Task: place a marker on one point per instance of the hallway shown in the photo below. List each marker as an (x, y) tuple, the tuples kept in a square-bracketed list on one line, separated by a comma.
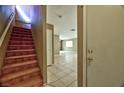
[(63, 72)]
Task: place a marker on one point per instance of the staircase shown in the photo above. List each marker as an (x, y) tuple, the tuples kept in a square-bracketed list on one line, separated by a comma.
[(20, 67)]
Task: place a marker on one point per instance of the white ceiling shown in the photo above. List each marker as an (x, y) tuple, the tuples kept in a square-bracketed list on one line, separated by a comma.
[(64, 24)]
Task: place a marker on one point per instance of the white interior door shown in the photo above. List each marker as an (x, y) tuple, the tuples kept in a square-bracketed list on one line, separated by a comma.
[(105, 41), (49, 47)]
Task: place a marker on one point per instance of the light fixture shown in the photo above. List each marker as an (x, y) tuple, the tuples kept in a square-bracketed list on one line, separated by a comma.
[(59, 16), (23, 14), (72, 29)]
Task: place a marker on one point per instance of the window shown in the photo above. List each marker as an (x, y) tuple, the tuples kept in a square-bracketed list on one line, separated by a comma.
[(69, 44)]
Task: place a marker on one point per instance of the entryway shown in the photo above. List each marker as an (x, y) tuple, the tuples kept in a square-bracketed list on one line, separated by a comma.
[(62, 67)]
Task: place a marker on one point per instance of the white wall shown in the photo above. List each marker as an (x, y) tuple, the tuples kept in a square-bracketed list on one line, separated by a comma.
[(105, 31), (74, 48), (27, 10), (5, 12)]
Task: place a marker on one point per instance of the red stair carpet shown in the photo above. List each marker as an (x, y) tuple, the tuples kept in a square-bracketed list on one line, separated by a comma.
[(20, 67)]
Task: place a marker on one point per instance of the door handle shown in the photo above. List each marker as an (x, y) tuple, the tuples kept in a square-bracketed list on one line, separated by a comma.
[(89, 60)]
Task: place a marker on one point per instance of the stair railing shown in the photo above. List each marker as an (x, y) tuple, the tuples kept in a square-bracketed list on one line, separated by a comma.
[(11, 18)]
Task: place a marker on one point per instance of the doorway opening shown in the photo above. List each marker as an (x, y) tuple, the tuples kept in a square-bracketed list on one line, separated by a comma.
[(61, 35)]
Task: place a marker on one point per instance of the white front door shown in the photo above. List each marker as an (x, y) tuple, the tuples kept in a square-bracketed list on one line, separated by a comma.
[(105, 44), (49, 47)]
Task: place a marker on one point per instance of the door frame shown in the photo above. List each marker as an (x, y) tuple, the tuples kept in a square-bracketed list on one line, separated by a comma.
[(81, 44), (51, 27), (82, 48)]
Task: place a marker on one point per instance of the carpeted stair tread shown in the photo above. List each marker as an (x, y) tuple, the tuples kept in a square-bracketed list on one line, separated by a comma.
[(19, 41), (21, 28), (18, 33), (34, 81), (16, 47), (18, 74), (20, 50), (25, 32), (20, 38), (22, 34), (19, 45), (22, 56), (18, 64)]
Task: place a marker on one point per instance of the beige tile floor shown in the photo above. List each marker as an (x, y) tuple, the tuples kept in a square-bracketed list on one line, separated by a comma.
[(63, 73)]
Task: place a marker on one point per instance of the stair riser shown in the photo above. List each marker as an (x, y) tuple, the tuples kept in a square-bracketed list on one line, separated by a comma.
[(21, 39), (22, 32), (20, 47), (17, 33), (20, 43), (25, 59), (21, 29), (19, 68), (20, 36), (19, 53), (24, 36)]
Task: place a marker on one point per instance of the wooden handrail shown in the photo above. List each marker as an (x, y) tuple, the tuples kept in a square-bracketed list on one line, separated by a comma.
[(11, 17)]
